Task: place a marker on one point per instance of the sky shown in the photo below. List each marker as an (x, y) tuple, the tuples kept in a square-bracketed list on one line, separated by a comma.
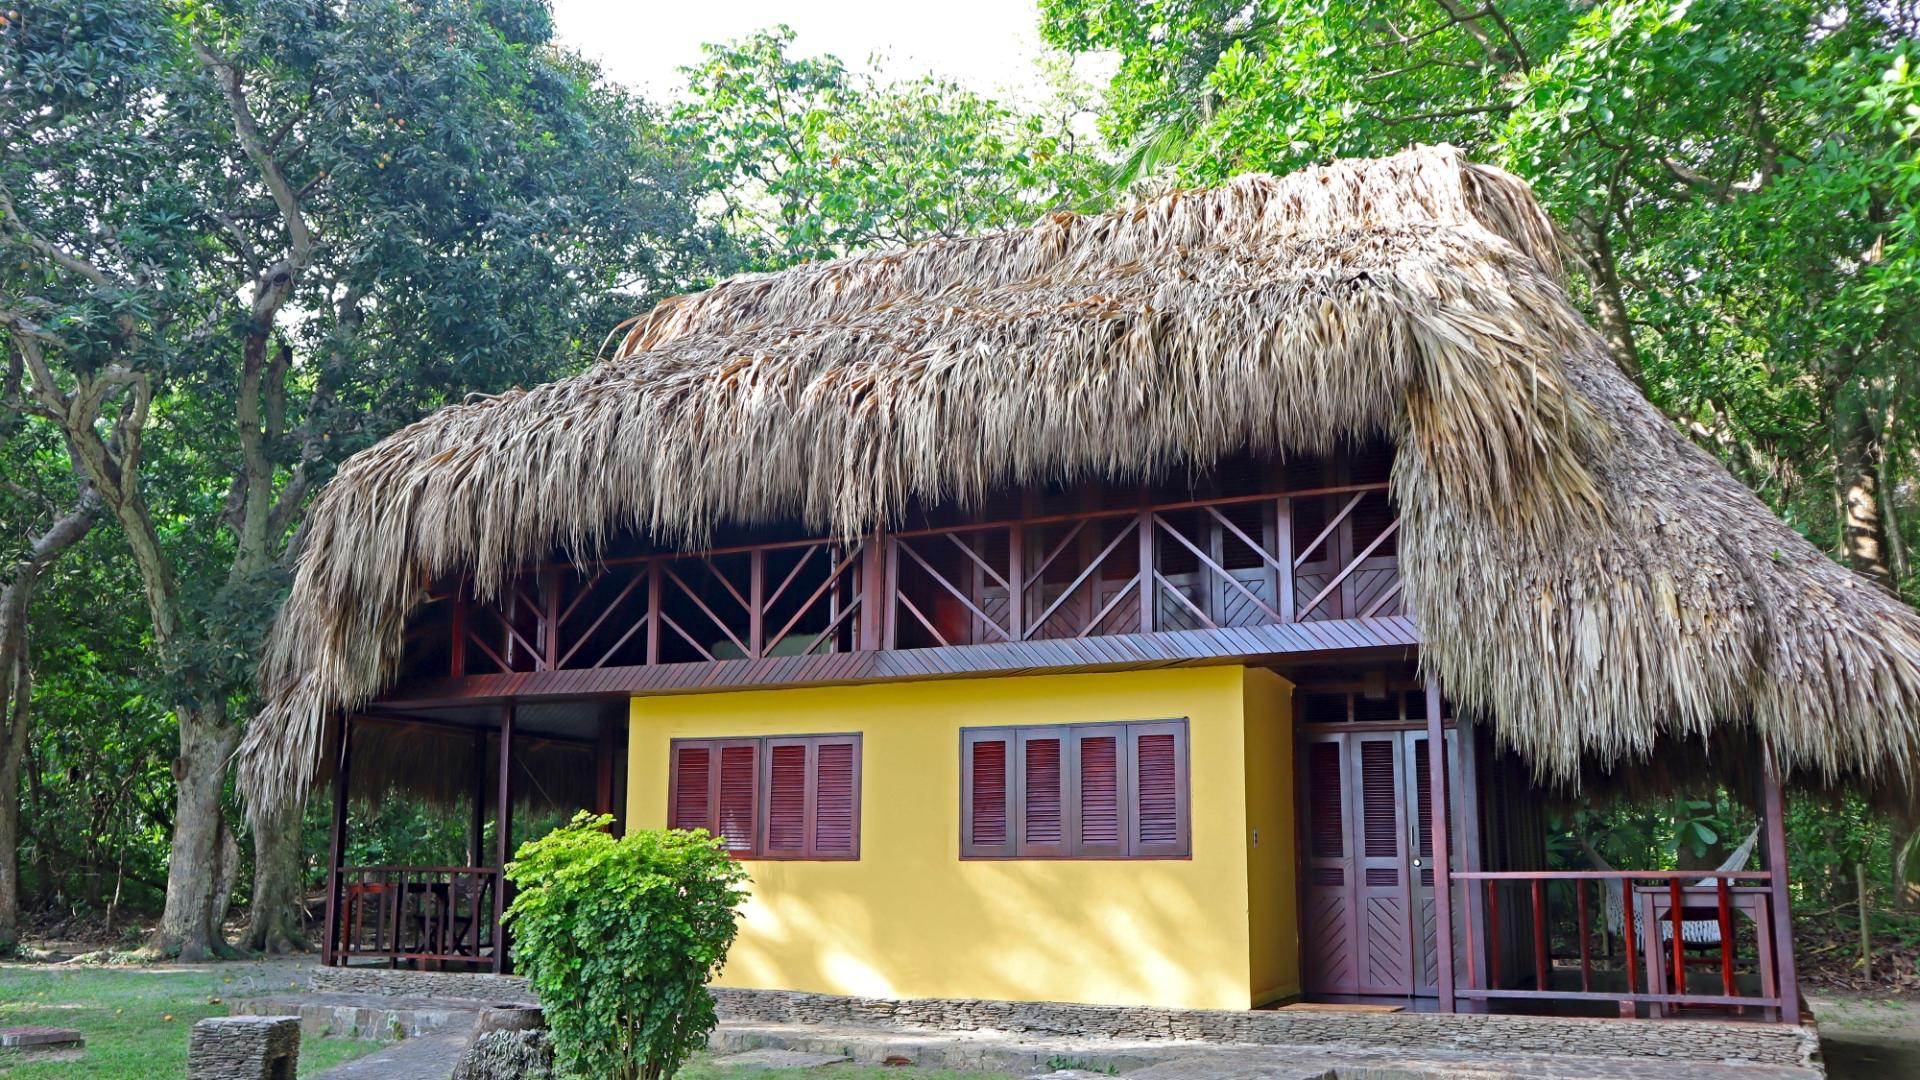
[(987, 45)]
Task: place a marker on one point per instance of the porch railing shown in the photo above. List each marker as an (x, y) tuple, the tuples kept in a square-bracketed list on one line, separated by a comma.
[(1327, 553), (1686, 939), (418, 915)]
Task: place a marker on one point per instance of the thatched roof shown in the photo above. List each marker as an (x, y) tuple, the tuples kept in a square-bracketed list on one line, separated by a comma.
[(1579, 571)]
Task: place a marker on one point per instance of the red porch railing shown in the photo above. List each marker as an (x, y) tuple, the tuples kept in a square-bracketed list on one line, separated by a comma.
[(431, 915), (1328, 553), (1684, 939)]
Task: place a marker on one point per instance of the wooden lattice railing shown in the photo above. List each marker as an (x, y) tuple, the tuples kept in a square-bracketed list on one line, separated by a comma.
[(440, 915), (1686, 939), (1328, 553)]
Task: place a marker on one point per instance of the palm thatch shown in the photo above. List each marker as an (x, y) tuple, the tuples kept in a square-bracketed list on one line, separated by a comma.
[(436, 766), (1580, 572)]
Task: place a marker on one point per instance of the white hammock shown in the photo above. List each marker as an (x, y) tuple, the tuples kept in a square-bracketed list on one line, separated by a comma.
[(1692, 931)]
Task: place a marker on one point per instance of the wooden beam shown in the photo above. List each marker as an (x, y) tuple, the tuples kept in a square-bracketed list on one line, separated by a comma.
[(477, 813), (1442, 859), (1381, 640), (603, 762), (503, 836), (1775, 812), (329, 941)]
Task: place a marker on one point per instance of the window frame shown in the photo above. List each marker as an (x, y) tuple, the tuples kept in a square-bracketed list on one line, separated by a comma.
[(1073, 844), (757, 849)]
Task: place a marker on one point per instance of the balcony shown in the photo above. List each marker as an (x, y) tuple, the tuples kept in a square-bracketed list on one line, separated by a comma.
[(1232, 575)]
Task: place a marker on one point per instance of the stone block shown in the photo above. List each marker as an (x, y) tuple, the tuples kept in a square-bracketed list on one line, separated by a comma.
[(34, 1036), (507, 1055), (244, 1048)]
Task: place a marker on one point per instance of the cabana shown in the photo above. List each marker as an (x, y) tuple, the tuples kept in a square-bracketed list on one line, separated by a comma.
[(1084, 612)]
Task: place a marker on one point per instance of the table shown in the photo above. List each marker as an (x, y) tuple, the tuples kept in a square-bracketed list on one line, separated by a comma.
[(1701, 903)]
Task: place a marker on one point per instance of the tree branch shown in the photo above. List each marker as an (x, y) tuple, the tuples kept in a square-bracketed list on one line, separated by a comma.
[(59, 256), (247, 129)]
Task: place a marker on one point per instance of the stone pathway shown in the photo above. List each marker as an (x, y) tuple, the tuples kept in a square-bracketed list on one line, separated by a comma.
[(1167, 1059), (431, 1057)]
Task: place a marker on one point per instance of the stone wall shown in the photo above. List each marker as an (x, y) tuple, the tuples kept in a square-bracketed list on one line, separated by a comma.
[(1686, 1040), (1683, 1040), (393, 982)]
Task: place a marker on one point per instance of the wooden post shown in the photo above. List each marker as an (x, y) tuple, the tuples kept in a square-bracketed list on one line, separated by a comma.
[(1017, 581), (550, 618), (1442, 858), (503, 836), (457, 648), (329, 941), (1284, 557), (757, 603), (1148, 591), (477, 813), (603, 752), (873, 593), (653, 612), (1775, 810), (1866, 921)]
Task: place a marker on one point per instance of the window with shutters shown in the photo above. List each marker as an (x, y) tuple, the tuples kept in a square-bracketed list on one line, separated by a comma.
[(1077, 791), (776, 797)]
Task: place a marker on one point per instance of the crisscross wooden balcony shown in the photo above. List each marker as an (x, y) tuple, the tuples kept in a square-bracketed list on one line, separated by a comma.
[(1237, 575)]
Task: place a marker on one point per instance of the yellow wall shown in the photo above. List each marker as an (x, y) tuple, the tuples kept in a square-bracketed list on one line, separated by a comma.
[(1272, 897), (911, 919)]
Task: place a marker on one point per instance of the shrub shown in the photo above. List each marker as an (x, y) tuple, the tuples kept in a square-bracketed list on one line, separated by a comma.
[(619, 938)]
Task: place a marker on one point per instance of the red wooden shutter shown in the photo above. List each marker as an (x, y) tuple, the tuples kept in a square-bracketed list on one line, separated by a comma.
[(1159, 789), (1327, 810), (786, 797), (986, 793), (690, 801), (1041, 792), (739, 781), (836, 817), (1098, 762)]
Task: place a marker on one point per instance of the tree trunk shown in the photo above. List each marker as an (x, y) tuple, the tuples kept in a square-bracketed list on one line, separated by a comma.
[(1863, 538), (1609, 304), (12, 751), (16, 691), (274, 923), (188, 924)]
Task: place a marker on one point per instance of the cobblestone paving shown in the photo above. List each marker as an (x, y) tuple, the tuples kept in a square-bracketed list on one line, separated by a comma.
[(429, 1058), (1163, 1059)]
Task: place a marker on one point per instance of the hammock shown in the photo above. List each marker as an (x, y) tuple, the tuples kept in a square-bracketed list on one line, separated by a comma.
[(1692, 931)]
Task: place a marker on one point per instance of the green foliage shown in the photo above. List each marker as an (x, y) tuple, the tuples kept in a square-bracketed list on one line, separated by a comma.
[(619, 937), (1739, 178), (806, 159)]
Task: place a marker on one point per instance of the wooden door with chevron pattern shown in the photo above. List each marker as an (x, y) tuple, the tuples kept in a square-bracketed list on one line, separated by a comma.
[(1367, 914)]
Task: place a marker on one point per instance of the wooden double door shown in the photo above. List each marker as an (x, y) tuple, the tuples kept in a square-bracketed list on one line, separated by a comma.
[(1368, 923)]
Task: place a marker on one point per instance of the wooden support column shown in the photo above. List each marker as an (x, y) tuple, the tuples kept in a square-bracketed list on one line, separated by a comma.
[(549, 636), (1149, 589), (477, 813), (873, 593), (1442, 859), (330, 944), (756, 604), (503, 835), (605, 749), (457, 647), (1774, 811)]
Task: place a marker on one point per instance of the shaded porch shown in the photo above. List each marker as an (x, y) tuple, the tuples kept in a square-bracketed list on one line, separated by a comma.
[(513, 768), (1458, 896)]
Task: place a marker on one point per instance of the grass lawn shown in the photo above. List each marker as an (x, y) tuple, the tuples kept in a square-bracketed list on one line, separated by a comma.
[(136, 1021)]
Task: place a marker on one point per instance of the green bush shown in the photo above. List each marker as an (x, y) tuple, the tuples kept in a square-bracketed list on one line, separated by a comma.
[(619, 938)]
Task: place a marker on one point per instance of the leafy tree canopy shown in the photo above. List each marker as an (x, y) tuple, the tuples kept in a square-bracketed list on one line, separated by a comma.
[(808, 159)]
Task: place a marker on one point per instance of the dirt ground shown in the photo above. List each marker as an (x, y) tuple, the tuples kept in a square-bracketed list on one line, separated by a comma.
[(1866, 1037)]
